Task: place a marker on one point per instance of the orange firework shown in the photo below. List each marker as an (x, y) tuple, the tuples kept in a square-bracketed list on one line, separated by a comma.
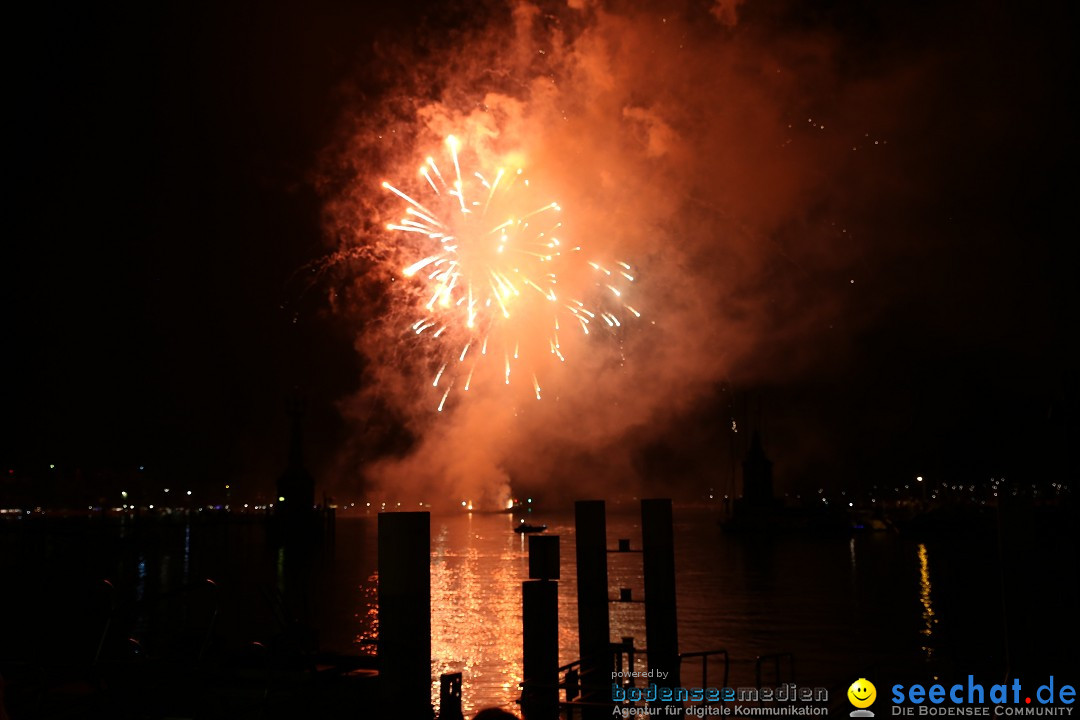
[(491, 260)]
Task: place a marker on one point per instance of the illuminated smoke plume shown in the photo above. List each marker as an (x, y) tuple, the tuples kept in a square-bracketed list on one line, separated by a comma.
[(678, 143)]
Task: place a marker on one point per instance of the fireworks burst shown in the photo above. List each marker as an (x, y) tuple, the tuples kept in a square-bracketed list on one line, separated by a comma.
[(492, 265)]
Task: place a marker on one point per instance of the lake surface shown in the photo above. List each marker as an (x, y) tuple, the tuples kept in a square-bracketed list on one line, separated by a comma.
[(844, 607)]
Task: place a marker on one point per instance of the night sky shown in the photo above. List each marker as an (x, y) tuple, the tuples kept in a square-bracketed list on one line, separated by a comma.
[(165, 203)]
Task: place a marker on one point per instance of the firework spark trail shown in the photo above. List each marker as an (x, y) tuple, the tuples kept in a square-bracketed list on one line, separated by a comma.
[(489, 263), (691, 168)]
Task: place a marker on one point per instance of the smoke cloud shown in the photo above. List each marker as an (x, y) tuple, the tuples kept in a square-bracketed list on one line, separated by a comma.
[(718, 155)]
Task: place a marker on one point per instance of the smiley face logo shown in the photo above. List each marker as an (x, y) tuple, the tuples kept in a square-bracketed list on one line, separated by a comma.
[(862, 693)]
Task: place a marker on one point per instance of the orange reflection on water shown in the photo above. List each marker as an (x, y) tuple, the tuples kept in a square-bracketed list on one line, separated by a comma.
[(477, 565), (368, 637), (928, 615)]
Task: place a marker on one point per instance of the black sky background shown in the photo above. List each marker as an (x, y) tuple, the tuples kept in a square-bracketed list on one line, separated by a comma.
[(157, 310)]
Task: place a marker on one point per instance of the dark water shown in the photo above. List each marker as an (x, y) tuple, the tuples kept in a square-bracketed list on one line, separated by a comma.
[(874, 604)]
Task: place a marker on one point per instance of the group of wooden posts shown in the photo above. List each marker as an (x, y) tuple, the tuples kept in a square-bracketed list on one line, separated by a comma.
[(404, 644)]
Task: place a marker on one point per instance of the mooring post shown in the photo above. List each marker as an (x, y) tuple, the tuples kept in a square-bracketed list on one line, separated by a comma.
[(450, 697), (540, 630), (590, 527), (658, 560), (405, 614)]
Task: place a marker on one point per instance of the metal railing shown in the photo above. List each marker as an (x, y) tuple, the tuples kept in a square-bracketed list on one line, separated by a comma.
[(705, 655)]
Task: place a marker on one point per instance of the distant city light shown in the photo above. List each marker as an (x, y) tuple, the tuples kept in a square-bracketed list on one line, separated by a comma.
[(188, 492), (51, 466), (281, 498), (123, 493)]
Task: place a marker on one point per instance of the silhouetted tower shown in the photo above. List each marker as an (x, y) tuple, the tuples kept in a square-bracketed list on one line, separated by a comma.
[(757, 475), (295, 487)]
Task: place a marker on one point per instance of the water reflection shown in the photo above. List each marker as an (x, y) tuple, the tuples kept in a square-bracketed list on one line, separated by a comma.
[(825, 600), (476, 571), (368, 637), (751, 595), (187, 553), (928, 616), (140, 593)]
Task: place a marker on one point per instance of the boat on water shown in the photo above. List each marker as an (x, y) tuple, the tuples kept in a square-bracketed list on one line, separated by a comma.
[(524, 527)]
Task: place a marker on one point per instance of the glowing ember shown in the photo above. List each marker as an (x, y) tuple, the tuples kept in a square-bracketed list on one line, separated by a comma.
[(489, 260)]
